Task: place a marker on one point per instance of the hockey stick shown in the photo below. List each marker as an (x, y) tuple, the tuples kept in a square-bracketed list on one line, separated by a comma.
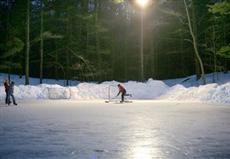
[(107, 101)]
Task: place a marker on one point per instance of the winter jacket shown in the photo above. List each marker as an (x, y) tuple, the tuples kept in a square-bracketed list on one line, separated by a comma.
[(121, 89), (7, 87), (11, 89)]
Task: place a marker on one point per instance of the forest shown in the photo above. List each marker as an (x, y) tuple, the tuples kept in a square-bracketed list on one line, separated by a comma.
[(100, 40)]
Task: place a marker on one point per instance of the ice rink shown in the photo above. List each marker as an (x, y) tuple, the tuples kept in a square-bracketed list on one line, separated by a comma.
[(65, 129)]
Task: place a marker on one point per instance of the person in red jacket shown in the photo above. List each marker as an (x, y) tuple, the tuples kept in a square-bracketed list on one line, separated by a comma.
[(122, 90), (7, 88)]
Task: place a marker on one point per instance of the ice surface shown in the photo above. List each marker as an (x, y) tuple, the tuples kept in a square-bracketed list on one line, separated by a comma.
[(68, 129)]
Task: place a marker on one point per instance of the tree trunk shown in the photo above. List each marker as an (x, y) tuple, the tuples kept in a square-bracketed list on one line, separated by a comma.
[(142, 78), (9, 75), (41, 44), (67, 67), (98, 40), (56, 61), (27, 59), (7, 32), (214, 53), (195, 43), (194, 28)]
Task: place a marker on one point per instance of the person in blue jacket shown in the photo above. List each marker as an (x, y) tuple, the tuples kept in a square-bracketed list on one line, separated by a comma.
[(11, 94)]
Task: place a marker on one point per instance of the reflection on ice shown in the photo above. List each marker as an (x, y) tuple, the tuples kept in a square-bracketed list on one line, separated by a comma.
[(145, 142), (142, 152), (145, 150)]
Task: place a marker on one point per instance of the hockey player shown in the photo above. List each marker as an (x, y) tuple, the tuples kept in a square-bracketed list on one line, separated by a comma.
[(122, 90)]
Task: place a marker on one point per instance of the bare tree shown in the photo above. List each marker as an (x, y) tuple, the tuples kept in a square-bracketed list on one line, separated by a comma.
[(194, 41)]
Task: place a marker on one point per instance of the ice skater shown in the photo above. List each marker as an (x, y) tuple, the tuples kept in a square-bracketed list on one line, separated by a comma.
[(7, 87), (122, 90), (11, 94)]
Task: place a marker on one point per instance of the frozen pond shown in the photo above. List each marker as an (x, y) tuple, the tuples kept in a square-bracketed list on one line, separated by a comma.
[(96, 130)]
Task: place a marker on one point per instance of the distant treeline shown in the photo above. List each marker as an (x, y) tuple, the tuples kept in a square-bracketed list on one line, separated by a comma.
[(98, 40)]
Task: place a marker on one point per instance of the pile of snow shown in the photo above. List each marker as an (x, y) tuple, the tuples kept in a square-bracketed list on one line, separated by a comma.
[(88, 91), (149, 90), (43, 91), (217, 77), (210, 93), (170, 90)]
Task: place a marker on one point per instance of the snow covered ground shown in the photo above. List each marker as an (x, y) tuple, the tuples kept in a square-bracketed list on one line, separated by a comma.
[(183, 89), (71, 129), (35, 81)]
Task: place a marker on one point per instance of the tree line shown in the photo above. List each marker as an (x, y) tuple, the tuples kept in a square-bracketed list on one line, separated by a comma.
[(98, 40)]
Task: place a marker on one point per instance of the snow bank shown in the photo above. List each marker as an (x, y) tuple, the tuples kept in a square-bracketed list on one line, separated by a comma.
[(152, 89), (217, 77), (43, 91), (89, 91), (210, 93), (149, 90)]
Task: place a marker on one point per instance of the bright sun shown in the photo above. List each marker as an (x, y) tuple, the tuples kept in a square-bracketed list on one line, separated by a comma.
[(142, 3)]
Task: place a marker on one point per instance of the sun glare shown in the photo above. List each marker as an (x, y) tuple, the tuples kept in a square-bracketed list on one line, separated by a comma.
[(142, 3)]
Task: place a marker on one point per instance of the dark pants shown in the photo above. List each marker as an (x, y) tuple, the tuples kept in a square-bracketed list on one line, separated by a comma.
[(8, 99), (122, 96)]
